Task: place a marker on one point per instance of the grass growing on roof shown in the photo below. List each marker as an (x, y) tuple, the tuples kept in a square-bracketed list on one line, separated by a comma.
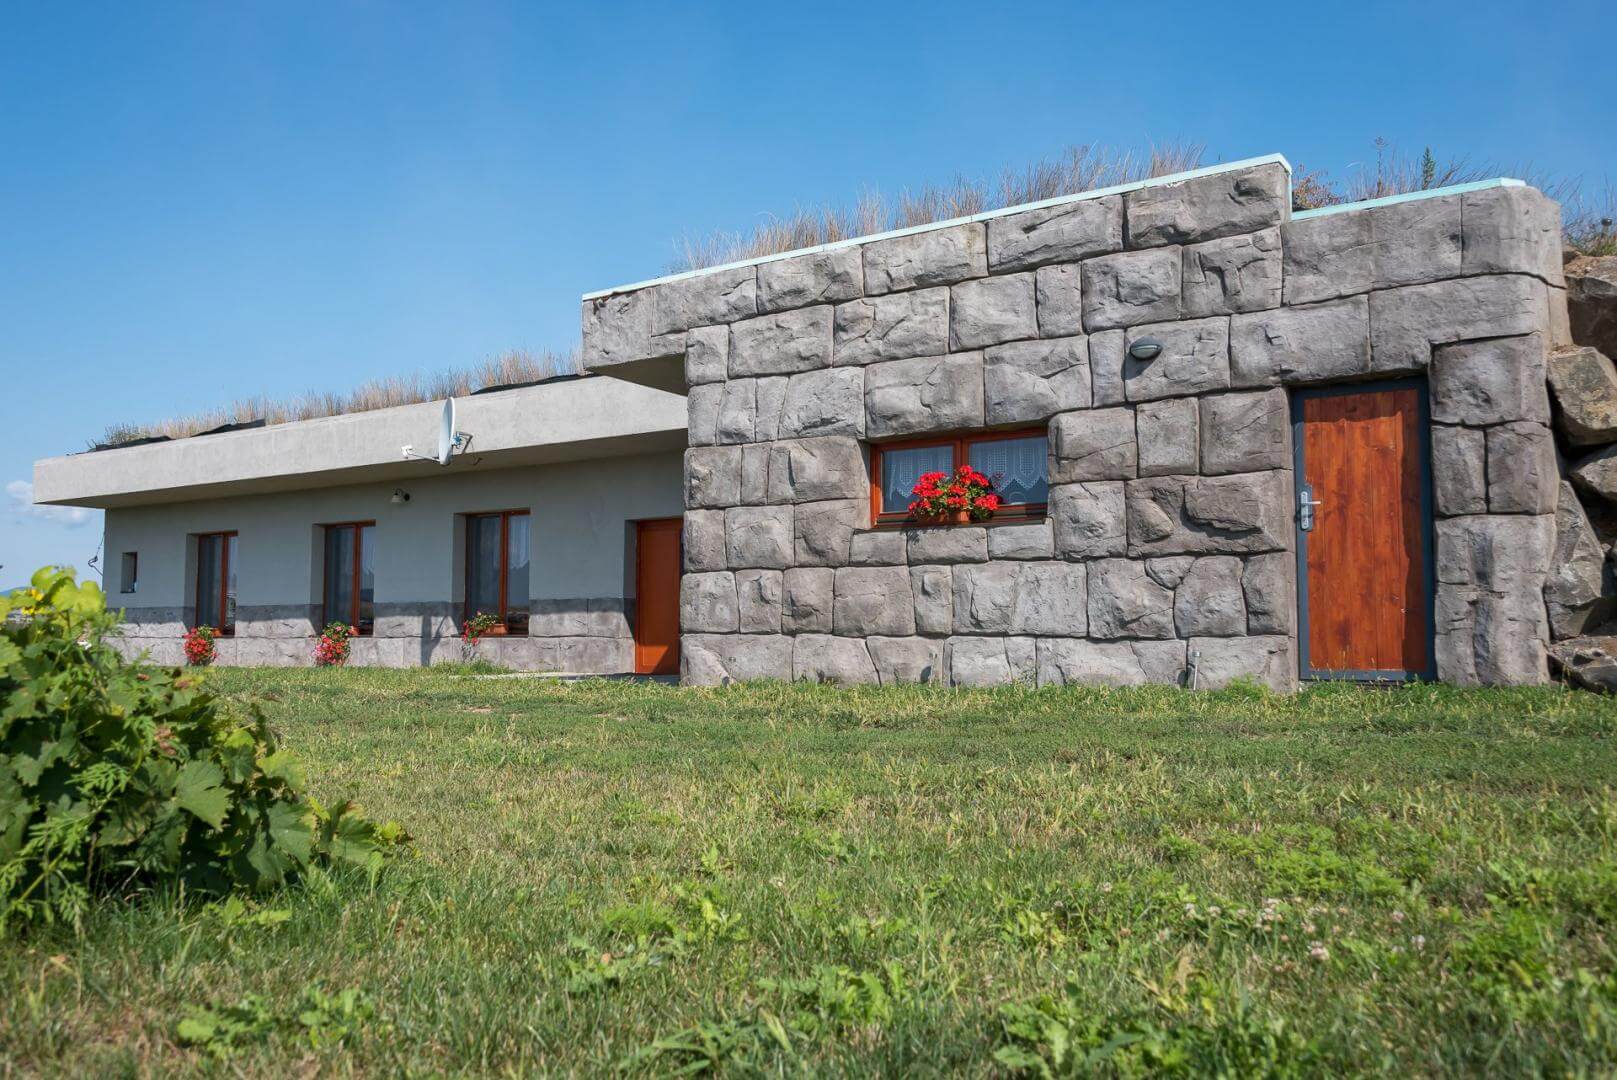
[(796, 878)]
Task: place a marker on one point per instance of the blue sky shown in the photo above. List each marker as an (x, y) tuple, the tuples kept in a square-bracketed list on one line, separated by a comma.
[(204, 202)]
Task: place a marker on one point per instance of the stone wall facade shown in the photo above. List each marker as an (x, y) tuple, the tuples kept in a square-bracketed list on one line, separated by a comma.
[(1169, 542)]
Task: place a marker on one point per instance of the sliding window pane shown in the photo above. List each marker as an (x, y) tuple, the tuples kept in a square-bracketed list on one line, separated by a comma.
[(483, 565), (210, 565), (339, 573), (516, 579), (901, 467), (1016, 466), (367, 580)]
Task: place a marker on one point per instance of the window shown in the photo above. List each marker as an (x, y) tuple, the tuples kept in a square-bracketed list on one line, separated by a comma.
[(497, 568), (350, 593), (128, 571), (216, 581), (1013, 460)]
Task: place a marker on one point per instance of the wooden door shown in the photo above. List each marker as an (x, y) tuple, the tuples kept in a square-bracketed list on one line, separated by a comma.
[(656, 629), (1364, 541)]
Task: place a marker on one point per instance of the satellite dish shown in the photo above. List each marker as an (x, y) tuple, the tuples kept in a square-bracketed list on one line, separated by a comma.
[(449, 440)]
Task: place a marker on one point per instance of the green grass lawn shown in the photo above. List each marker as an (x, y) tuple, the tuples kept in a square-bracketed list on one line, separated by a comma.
[(800, 879)]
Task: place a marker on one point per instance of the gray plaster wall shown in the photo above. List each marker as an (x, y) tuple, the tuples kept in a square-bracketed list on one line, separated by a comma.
[(1170, 537), (581, 579)]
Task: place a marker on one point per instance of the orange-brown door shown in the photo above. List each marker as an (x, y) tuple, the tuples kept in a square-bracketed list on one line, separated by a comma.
[(656, 628), (1364, 535)]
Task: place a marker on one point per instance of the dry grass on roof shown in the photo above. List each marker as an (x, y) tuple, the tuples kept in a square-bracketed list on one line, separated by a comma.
[(512, 368)]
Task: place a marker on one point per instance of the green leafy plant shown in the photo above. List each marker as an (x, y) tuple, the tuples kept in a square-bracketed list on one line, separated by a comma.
[(114, 777), (221, 1031)]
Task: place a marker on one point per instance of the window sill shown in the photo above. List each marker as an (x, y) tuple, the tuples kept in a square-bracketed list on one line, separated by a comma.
[(996, 522)]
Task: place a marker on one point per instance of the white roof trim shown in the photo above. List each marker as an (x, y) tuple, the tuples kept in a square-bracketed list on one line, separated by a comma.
[(1060, 200), (1408, 196)]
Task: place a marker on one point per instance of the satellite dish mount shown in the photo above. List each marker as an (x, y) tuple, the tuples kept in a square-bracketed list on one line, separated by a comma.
[(449, 440)]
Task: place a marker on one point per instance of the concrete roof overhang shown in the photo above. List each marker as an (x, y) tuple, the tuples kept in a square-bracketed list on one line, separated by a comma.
[(572, 420)]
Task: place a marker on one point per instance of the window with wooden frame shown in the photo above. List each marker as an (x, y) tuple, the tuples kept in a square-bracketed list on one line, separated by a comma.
[(350, 580), (1014, 460), (216, 582), (497, 568)]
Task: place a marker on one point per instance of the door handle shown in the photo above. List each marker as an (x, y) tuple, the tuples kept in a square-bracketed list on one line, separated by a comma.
[(1305, 508)]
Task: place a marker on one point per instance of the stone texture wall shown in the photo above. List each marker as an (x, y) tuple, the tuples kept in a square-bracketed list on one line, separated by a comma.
[(1169, 537), (586, 636)]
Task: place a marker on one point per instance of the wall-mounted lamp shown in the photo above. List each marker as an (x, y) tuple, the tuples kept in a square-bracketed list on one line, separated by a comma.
[(1147, 348), (400, 497)]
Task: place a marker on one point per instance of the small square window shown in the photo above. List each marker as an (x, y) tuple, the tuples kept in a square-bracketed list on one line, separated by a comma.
[(1016, 462), (128, 571)]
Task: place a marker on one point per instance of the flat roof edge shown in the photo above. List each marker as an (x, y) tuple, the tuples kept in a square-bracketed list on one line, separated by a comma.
[(1408, 196), (986, 215)]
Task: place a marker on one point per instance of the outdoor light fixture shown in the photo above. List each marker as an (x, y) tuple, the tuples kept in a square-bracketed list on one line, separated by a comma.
[(1147, 348), (400, 497)]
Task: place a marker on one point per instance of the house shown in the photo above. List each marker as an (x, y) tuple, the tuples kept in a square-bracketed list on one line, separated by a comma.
[(1229, 441)]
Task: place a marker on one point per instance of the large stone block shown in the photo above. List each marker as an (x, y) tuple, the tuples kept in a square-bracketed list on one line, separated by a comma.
[(1490, 382), (1168, 435), (1459, 479), (810, 470), (877, 547), (610, 616), (820, 277), (991, 661), (758, 596), (925, 394), (769, 404), (1034, 540), (707, 355), (1345, 252), (1585, 387), (1058, 292), (553, 616), (708, 604), (712, 660), (823, 530), (1491, 638), (1208, 207), (1075, 662), (841, 660), (933, 589), (755, 473), (758, 537), (1106, 367), (735, 413), (1512, 230), (947, 544), (1245, 432), (1597, 474), (1237, 273), (1268, 584), (1095, 444), (1522, 471), (1591, 302), (826, 402), (1124, 601), (1195, 358), (892, 327), (1031, 381), (907, 660), (1406, 323), (984, 596), (991, 311), (1295, 346), (807, 594), (1239, 513), (712, 476), (782, 343), (617, 329), (873, 600), (1210, 600), (1065, 232), (1268, 661), (1494, 551), (702, 414), (706, 298), (1089, 519), (929, 257), (1580, 592), (1130, 288)]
